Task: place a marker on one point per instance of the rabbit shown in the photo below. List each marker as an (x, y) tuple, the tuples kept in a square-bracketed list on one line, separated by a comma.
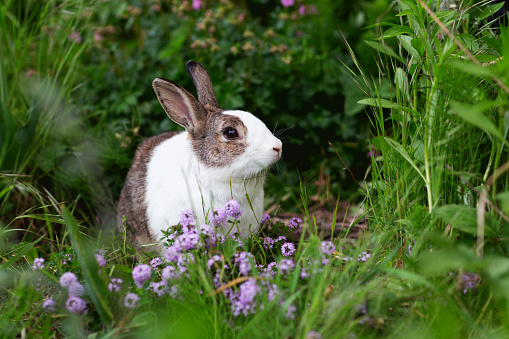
[(221, 155)]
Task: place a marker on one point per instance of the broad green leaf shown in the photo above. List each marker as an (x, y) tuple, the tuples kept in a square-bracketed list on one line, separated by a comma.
[(471, 68), (490, 10), (397, 30), (382, 103), (96, 287), (473, 114), (464, 218), (382, 48), (401, 150), (406, 42)]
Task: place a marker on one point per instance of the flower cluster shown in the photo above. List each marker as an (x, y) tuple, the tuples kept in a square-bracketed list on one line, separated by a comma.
[(294, 224), (38, 264)]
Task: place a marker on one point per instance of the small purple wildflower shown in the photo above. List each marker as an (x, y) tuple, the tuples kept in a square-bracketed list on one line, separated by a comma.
[(67, 257), (327, 247), (76, 305), (243, 302), (302, 10), (313, 335), (206, 230), (169, 273), (74, 37), (288, 249), (242, 260), (188, 241), (218, 217), (364, 256), (232, 208), (184, 261), (155, 262), (76, 290), (67, 279), (114, 285), (99, 257), (469, 281), (131, 300), (303, 273), (265, 219), (187, 218), (287, 3), (38, 264), (49, 305), (268, 242), (160, 288), (280, 238), (325, 261), (347, 258), (294, 224), (173, 253), (290, 312), (141, 273), (196, 5), (286, 265), (215, 258)]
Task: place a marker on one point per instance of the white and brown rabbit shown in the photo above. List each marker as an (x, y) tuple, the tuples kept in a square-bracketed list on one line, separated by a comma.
[(222, 155)]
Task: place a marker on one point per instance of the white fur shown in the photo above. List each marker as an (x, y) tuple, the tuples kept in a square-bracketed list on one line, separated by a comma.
[(176, 180)]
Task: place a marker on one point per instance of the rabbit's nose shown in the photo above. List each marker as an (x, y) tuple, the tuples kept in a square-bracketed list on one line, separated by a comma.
[(278, 151)]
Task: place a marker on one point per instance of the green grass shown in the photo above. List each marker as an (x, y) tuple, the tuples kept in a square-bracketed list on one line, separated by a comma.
[(436, 198)]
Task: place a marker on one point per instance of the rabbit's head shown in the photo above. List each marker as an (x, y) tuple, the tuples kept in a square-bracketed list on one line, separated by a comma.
[(235, 144)]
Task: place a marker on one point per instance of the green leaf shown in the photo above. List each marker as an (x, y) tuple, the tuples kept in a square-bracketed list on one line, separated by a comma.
[(490, 10), (382, 48), (471, 68), (95, 285), (401, 150), (464, 218), (397, 30), (406, 43), (383, 104), (473, 114)]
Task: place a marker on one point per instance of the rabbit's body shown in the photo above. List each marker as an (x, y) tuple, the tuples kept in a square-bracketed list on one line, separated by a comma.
[(222, 155)]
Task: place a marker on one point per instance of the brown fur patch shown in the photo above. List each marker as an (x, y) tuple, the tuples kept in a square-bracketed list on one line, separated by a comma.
[(132, 203), (213, 149)]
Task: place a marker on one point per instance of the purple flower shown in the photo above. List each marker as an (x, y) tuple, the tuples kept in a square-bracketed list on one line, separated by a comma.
[(67, 279), (290, 312), (75, 37), (270, 268), (49, 305), (242, 260), (206, 230), (268, 242), (114, 285), (99, 257), (173, 253), (169, 273), (313, 335), (287, 3), (131, 300), (303, 274), (364, 256), (286, 265), (469, 281), (280, 238), (160, 288), (232, 208), (76, 305), (325, 261), (188, 241), (67, 257), (76, 290), (265, 219), (295, 223), (215, 258), (218, 217), (187, 218), (141, 273), (38, 264), (155, 262), (196, 5), (184, 261), (243, 302), (288, 249), (302, 10), (327, 247)]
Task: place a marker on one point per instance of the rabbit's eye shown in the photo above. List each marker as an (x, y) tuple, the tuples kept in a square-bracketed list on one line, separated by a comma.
[(231, 133)]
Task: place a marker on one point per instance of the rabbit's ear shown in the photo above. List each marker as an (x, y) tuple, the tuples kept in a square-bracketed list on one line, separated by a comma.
[(203, 84), (181, 106)]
